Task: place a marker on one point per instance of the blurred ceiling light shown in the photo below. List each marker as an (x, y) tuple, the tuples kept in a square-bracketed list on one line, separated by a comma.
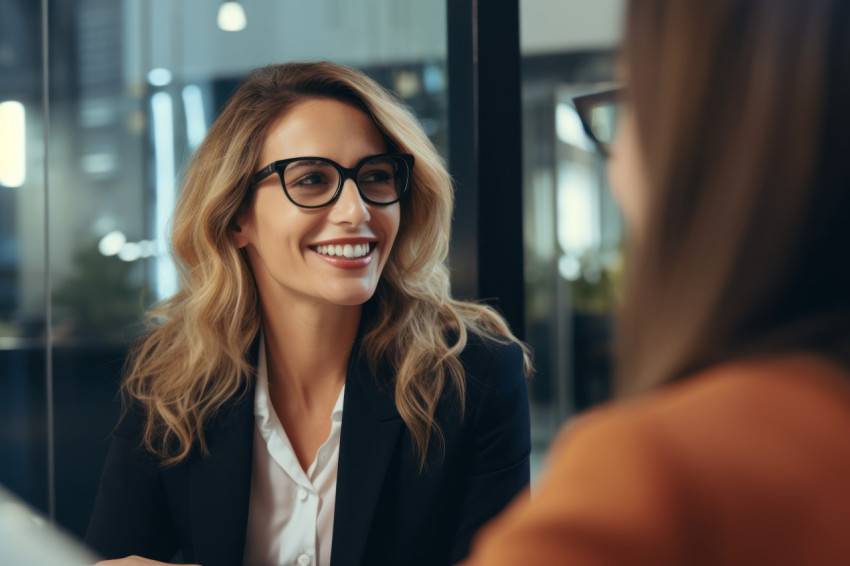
[(407, 84), (569, 267), (159, 76), (13, 156), (130, 252), (433, 79), (112, 243), (231, 16), (147, 248)]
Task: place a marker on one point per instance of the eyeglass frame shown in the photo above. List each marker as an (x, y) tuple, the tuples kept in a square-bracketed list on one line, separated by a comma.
[(585, 102), (345, 174)]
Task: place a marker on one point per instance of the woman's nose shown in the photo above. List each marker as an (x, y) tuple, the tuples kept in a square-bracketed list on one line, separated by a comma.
[(350, 206)]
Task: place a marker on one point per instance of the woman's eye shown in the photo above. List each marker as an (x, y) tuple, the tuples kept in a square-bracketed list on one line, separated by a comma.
[(312, 179), (376, 177)]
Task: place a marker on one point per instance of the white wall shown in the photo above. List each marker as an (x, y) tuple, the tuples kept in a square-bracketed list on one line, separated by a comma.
[(552, 26), (184, 37)]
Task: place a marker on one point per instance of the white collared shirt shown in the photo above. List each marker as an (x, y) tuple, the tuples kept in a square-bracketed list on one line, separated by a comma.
[(291, 513)]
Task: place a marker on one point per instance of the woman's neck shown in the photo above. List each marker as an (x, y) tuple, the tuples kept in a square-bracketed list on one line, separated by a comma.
[(308, 346)]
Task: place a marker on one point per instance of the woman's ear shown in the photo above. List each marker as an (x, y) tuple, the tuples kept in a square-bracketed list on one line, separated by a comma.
[(238, 236), (237, 224)]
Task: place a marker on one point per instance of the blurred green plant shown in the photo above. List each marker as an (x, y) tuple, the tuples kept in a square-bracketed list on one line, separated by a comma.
[(598, 289), (100, 298)]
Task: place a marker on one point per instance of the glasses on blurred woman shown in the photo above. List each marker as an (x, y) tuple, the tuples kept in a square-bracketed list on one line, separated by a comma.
[(314, 182), (598, 112)]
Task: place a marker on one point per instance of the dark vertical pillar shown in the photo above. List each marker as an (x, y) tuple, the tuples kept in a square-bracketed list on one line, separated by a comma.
[(485, 154)]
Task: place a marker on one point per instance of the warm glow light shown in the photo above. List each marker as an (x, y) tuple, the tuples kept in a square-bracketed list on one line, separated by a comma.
[(13, 152), (231, 16)]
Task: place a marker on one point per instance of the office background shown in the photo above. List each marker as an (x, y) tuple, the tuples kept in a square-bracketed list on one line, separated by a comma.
[(102, 101)]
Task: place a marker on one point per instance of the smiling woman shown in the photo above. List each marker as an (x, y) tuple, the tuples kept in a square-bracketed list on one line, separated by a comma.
[(282, 241), (313, 394)]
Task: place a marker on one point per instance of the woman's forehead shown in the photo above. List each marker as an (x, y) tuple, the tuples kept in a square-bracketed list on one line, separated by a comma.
[(323, 127)]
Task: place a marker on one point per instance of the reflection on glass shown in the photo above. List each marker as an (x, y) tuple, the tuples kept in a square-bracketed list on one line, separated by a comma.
[(193, 107), (603, 119), (163, 151)]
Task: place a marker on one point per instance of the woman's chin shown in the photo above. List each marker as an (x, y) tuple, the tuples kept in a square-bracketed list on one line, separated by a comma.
[(350, 297)]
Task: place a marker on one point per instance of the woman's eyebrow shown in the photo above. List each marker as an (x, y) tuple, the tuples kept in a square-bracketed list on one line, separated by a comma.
[(307, 163)]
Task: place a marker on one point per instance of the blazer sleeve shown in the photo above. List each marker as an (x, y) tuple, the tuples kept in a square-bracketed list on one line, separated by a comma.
[(501, 445), (608, 496), (130, 513)]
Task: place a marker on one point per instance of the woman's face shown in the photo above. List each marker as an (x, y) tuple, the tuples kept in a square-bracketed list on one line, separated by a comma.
[(627, 172), (286, 244)]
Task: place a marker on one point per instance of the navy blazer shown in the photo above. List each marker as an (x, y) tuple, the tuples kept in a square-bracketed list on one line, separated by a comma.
[(387, 511)]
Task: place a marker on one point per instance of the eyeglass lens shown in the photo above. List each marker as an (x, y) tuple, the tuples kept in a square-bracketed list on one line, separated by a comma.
[(603, 121), (311, 182)]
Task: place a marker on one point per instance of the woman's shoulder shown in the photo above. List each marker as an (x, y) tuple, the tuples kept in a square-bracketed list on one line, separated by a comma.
[(739, 414), (495, 373), (131, 423), (742, 390), (486, 357), (485, 348)]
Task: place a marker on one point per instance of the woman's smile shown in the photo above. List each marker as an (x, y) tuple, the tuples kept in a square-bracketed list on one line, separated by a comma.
[(346, 253)]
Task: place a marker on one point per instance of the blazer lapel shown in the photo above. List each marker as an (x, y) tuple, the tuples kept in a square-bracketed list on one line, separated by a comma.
[(370, 431), (220, 483)]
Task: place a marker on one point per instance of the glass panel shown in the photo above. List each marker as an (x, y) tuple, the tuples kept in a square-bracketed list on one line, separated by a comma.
[(572, 229), (136, 83), (23, 417)]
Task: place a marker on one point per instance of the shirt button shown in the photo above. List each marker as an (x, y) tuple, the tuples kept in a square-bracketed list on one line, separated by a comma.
[(302, 496), (304, 560)]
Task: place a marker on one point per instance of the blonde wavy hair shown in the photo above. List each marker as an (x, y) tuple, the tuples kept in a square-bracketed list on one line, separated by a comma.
[(194, 359)]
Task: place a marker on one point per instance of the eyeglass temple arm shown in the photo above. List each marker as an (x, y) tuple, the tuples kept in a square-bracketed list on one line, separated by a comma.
[(264, 172)]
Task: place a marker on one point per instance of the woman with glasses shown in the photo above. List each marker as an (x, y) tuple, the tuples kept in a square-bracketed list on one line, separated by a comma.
[(732, 166), (313, 395)]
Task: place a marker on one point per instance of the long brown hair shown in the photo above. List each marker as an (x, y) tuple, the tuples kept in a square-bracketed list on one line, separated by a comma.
[(194, 358), (743, 116)]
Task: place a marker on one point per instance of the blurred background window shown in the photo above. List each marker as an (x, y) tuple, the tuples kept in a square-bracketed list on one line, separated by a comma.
[(94, 134), (572, 229)]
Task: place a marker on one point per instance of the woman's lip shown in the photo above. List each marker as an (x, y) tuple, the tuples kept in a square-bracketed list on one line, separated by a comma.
[(343, 241)]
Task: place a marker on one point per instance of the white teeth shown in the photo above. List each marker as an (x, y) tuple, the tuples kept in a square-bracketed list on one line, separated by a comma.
[(348, 251)]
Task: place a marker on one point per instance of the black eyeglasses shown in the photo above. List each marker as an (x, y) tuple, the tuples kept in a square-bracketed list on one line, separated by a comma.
[(598, 113), (314, 182)]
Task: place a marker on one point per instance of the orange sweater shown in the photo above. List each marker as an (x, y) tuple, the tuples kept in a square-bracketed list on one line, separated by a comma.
[(745, 463)]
